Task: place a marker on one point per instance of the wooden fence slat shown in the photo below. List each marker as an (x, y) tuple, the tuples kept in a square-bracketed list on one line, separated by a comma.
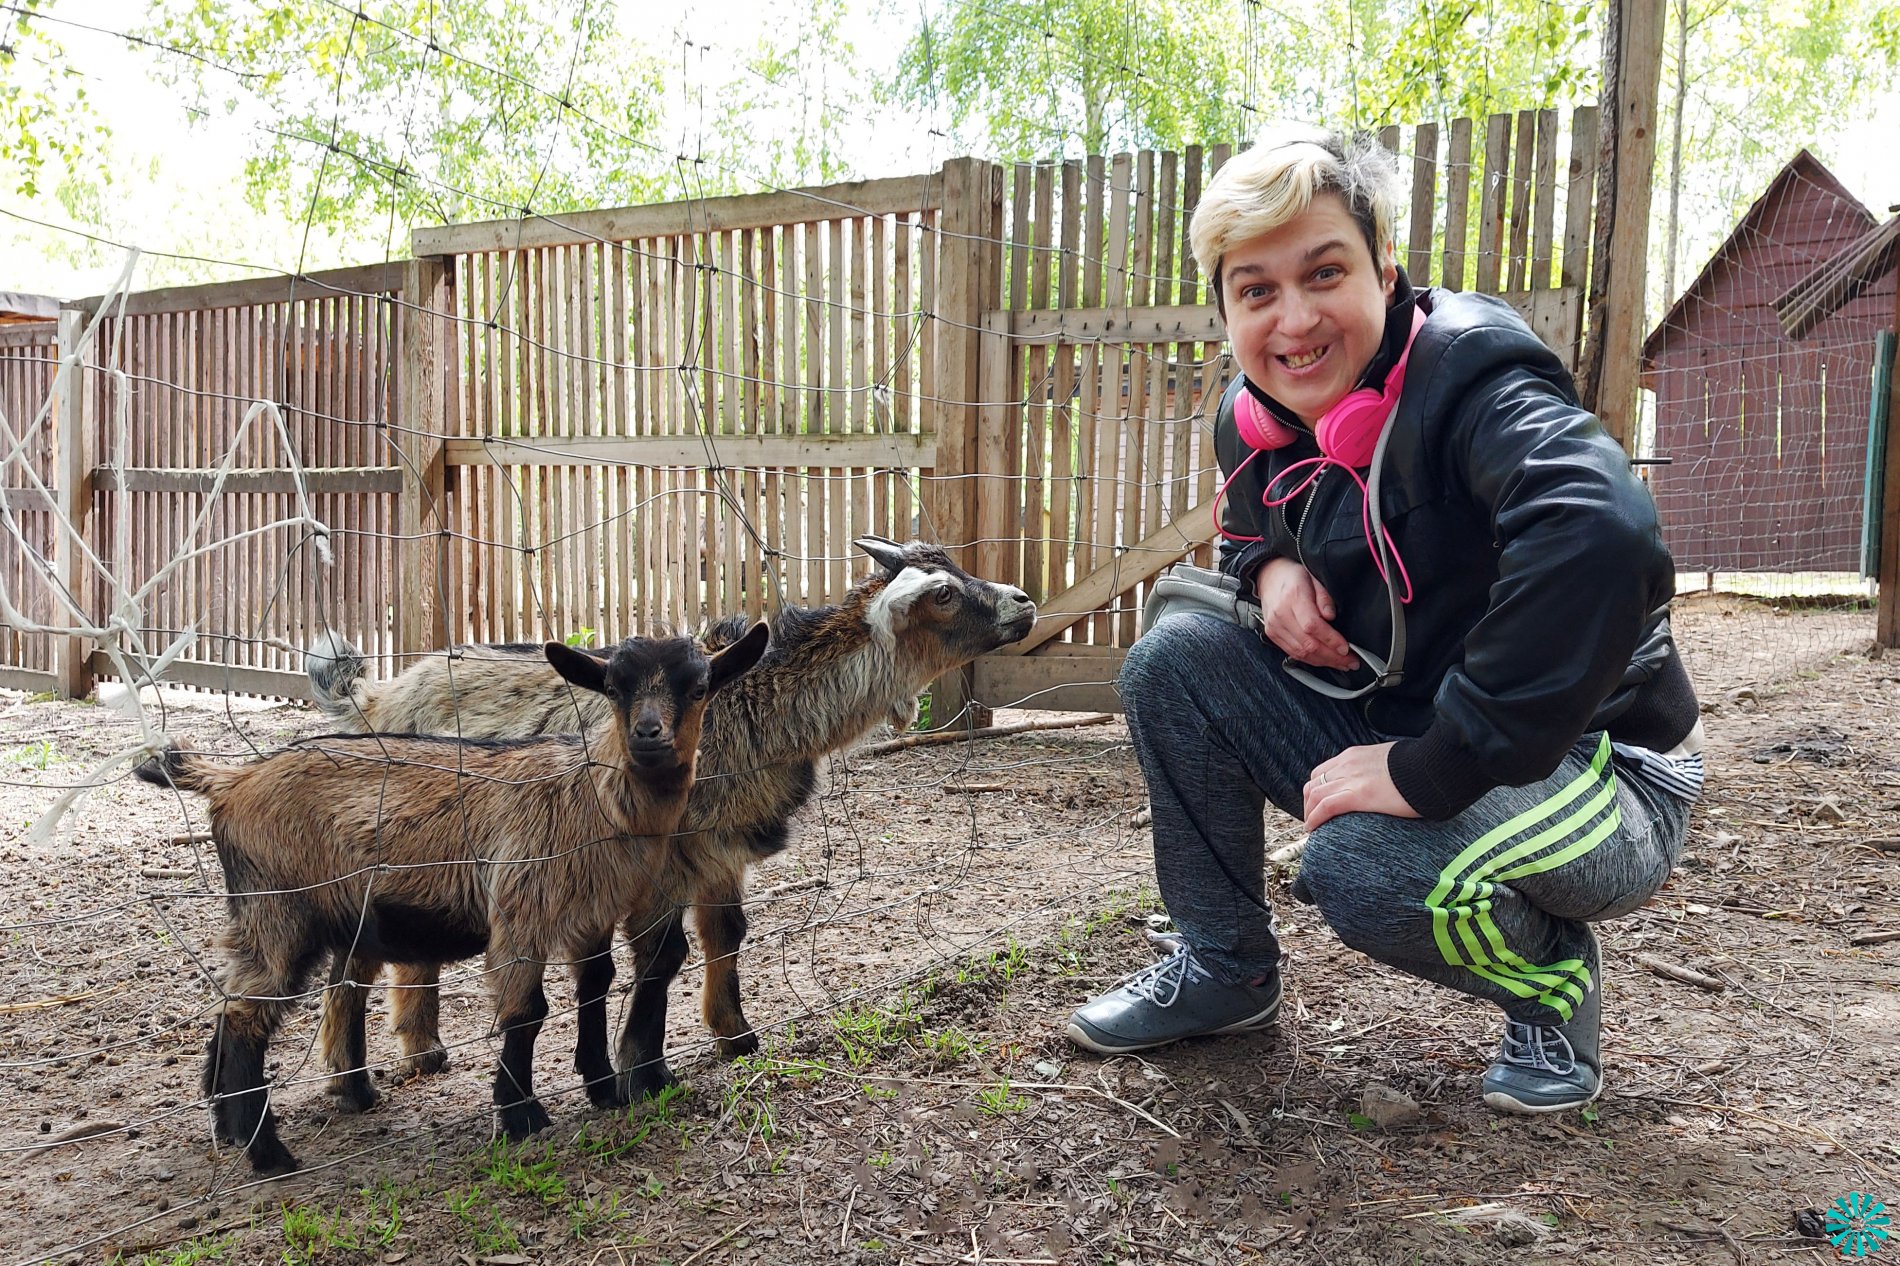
[(1580, 195), (1457, 204), (1418, 260), (1545, 201), (1521, 168), (1493, 205)]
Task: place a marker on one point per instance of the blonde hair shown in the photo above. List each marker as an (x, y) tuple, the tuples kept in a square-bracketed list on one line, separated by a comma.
[(1276, 180)]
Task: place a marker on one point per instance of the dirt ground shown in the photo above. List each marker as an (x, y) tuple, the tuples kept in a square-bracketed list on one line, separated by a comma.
[(913, 956)]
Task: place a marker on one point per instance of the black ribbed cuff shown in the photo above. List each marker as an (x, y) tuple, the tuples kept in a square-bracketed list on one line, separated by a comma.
[(1246, 563), (1436, 775)]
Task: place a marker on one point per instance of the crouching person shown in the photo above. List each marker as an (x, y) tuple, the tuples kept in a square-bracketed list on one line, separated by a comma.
[(1466, 690)]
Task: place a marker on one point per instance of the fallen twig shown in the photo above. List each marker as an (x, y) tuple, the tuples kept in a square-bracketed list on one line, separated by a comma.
[(971, 788), (1676, 971), (790, 885), (1791, 1127), (165, 872), (986, 732), (1875, 938), (1884, 843), (695, 1256), (37, 1004), (1708, 1232), (192, 837)]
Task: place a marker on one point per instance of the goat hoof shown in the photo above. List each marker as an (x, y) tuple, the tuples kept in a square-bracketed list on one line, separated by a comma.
[(422, 1063), (646, 1081), (731, 1048), (607, 1092), (519, 1120), (270, 1156), (356, 1094)]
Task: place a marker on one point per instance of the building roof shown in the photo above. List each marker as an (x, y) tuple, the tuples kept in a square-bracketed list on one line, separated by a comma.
[(1837, 281), (16, 307), (1751, 227)]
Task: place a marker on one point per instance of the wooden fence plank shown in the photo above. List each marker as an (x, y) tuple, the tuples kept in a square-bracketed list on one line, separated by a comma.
[(1493, 205), (1457, 204), (1518, 249), (1418, 260), (1545, 201)]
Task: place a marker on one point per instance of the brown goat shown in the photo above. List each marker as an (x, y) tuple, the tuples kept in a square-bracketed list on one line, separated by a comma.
[(832, 674), (427, 850)]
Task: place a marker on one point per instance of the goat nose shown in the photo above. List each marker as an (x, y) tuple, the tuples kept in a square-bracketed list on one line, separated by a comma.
[(648, 727), (1018, 594)]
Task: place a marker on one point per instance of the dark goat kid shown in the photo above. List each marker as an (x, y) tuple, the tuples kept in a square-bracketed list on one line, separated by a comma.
[(833, 674), (423, 851)]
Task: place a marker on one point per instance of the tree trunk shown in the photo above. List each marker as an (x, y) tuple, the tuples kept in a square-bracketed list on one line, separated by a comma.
[(1675, 153)]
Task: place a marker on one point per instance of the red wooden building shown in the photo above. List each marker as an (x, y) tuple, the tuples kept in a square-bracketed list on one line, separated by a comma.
[(1767, 434)]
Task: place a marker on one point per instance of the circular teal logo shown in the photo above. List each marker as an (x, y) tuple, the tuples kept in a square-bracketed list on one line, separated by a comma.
[(1857, 1224)]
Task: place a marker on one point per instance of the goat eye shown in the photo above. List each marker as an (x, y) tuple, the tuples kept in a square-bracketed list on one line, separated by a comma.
[(944, 596), (699, 691)]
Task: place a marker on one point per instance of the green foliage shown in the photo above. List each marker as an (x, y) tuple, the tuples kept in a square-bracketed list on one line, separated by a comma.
[(46, 118), (487, 1230), (517, 1170), (1025, 79), (420, 111), (191, 1253)]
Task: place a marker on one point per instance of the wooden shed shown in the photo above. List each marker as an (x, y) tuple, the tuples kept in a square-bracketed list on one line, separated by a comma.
[(1766, 433)]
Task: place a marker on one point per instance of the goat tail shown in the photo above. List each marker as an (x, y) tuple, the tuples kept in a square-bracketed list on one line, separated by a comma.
[(178, 766), (335, 668)]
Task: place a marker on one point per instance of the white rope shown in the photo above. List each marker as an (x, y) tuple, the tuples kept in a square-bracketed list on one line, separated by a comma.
[(118, 635)]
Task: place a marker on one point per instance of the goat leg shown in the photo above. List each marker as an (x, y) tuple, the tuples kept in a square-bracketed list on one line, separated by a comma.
[(415, 1004), (658, 944), (520, 1007), (593, 974), (257, 985), (720, 921), (341, 1034)]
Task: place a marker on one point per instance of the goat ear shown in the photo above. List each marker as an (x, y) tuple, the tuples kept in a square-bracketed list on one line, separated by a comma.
[(738, 659), (888, 554), (578, 667)]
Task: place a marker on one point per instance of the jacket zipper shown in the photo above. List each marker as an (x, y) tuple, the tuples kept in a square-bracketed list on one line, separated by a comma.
[(1306, 512)]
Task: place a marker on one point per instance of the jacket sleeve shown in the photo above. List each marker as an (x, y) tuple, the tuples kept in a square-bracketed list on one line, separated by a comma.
[(1581, 569), (1240, 511)]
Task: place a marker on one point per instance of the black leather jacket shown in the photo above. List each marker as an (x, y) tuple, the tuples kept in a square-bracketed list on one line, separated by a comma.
[(1541, 582)]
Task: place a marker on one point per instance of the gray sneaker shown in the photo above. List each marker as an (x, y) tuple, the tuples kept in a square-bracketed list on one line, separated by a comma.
[(1550, 1067), (1173, 999)]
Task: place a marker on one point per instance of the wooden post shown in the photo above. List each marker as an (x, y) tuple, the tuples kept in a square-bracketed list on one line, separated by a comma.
[(969, 271), (1887, 625), (422, 606), (74, 497), (1632, 72)]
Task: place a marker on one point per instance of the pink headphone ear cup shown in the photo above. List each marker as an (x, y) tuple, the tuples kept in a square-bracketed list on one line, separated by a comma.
[(1257, 427)]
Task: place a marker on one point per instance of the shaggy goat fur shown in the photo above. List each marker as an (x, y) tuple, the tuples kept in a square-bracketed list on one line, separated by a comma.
[(832, 674), (426, 850)]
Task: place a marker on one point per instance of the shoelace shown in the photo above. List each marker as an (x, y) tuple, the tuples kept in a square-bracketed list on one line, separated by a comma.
[(1168, 976), (1540, 1046)]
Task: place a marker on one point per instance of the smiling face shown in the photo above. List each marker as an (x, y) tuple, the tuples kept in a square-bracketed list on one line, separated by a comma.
[(1306, 307)]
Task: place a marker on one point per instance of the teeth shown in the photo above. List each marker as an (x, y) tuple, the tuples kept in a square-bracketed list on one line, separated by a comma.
[(1301, 362)]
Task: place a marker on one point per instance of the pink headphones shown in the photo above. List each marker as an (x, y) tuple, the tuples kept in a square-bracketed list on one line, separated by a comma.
[(1348, 435), (1349, 431)]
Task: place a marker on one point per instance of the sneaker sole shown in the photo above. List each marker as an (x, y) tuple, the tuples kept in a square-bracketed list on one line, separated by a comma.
[(1088, 1041), (1500, 1101)]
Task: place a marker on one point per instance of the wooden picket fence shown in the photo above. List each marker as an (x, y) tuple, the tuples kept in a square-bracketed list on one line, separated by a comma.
[(602, 420)]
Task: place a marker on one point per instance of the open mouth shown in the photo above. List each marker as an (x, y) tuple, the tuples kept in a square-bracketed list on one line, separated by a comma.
[(1302, 361)]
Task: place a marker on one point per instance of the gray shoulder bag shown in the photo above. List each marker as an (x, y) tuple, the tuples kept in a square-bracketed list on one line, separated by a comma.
[(1187, 588)]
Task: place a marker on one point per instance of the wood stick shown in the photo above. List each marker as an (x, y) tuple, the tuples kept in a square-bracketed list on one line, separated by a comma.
[(1884, 843), (1675, 971), (1875, 938), (166, 872), (985, 732), (793, 885), (972, 788), (192, 837)]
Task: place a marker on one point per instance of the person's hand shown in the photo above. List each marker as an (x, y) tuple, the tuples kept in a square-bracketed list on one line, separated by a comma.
[(1355, 781), (1297, 615)]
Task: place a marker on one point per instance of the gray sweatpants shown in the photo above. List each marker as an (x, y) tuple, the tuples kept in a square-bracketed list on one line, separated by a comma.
[(1492, 902)]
